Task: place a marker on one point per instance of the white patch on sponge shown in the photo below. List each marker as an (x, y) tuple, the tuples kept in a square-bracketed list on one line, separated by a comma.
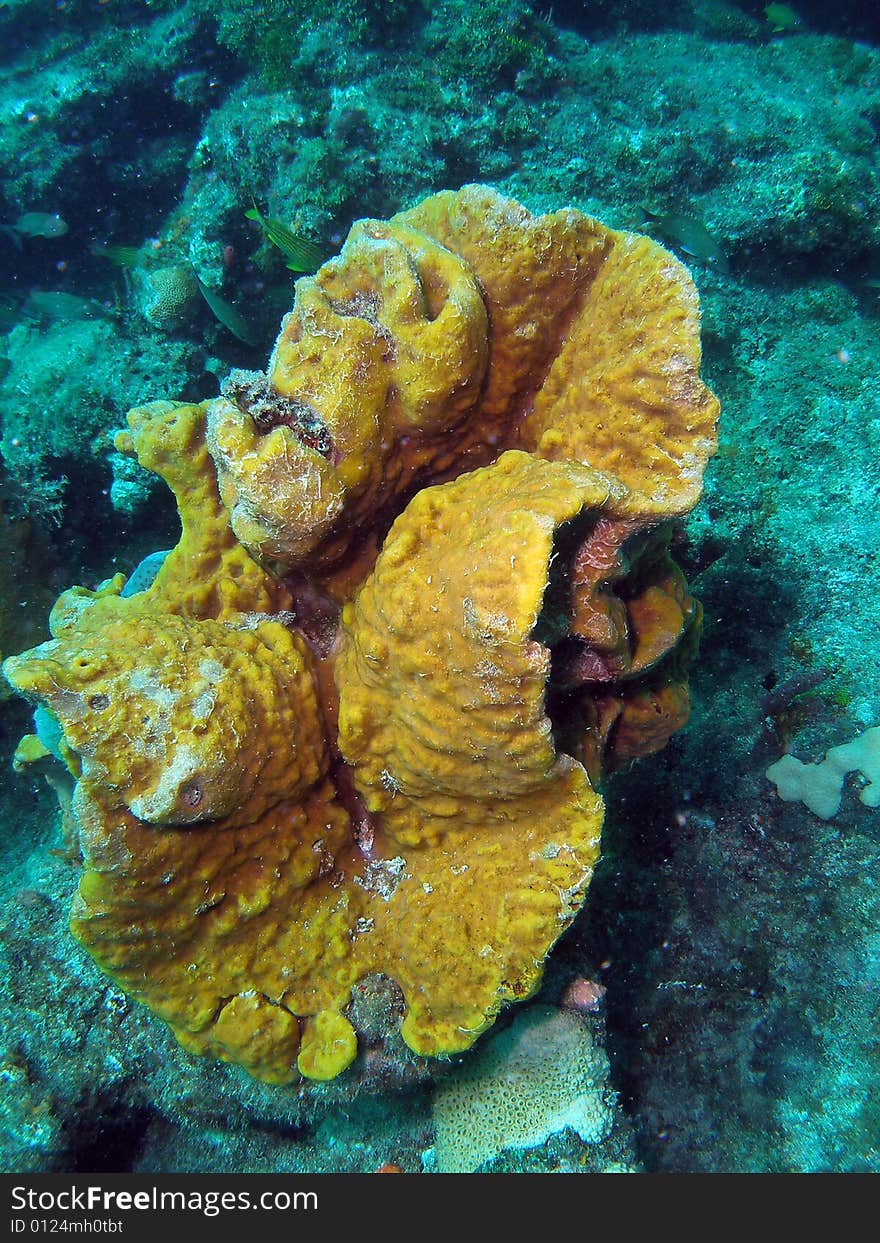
[(820, 786)]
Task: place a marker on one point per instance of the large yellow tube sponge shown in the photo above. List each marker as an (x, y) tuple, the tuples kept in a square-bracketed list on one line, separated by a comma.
[(422, 597)]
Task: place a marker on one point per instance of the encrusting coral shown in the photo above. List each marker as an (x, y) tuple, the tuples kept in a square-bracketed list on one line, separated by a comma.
[(540, 1075), (423, 597)]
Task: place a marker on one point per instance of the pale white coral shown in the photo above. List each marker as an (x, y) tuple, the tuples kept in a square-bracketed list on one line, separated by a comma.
[(542, 1074), (165, 296)]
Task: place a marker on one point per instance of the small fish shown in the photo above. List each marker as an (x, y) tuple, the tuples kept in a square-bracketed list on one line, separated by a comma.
[(687, 233), (226, 314), (48, 729), (39, 224), (55, 305), (34, 224), (121, 256), (302, 255), (782, 18), (144, 574)]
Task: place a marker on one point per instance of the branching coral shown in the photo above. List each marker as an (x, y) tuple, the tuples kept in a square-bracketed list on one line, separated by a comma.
[(422, 597)]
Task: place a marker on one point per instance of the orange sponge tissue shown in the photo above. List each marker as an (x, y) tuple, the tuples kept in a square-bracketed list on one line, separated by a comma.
[(422, 599)]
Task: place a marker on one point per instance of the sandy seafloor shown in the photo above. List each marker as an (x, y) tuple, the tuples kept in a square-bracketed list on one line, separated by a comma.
[(737, 935)]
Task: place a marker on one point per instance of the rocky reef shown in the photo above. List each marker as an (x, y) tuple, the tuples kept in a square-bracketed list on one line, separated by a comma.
[(731, 937)]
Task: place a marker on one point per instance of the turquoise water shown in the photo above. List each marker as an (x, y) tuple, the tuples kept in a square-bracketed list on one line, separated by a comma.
[(729, 944)]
